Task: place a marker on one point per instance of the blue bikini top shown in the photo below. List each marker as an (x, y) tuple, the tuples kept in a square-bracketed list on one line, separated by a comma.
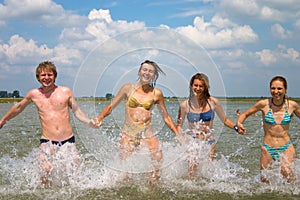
[(269, 118), (204, 116)]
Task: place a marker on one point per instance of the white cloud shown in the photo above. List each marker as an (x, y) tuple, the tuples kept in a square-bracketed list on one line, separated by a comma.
[(100, 15), (281, 54), (292, 54), (279, 32), (75, 34), (292, 5), (221, 22), (245, 7), (218, 33), (18, 55), (66, 56), (231, 60), (249, 10), (19, 50), (74, 41), (103, 27), (77, 38), (266, 56), (27, 8), (288, 53), (226, 33), (272, 14), (45, 12)]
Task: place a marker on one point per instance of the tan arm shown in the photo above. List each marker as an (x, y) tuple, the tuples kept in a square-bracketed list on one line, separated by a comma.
[(15, 110), (164, 113)]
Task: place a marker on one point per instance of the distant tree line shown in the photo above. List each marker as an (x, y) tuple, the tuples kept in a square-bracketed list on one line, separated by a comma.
[(109, 96), (14, 94)]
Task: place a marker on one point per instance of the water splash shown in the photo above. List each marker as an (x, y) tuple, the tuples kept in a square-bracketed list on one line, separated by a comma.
[(104, 174)]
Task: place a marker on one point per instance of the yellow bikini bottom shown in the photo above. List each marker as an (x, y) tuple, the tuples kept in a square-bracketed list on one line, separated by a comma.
[(135, 132)]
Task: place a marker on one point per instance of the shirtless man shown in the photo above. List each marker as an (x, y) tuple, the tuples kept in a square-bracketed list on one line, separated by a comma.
[(53, 104)]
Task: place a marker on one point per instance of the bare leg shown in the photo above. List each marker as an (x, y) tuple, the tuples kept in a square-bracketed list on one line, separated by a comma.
[(265, 161), (193, 168), (156, 156), (45, 166), (192, 160), (212, 152), (127, 147), (287, 161)]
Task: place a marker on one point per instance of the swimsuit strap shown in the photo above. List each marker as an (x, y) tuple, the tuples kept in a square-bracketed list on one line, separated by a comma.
[(286, 116), (269, 117), (190, 107), (208, 104), (133, 102), (202, 116)]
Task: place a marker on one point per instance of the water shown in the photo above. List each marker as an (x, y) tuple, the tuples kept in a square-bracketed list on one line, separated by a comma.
[(234, 174)]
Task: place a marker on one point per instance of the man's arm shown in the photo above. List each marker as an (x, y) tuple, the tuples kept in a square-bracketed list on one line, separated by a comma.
[(15, 110), (78, 113)]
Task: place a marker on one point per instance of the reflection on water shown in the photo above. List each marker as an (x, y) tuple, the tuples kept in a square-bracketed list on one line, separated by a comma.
[(234, 174)]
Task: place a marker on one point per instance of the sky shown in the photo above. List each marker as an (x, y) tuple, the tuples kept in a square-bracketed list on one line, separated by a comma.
[(98, 45)]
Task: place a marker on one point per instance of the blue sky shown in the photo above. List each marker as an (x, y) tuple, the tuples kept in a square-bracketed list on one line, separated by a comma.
[(98, 45)]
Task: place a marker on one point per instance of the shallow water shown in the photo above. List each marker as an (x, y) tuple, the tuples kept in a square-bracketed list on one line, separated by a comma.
[(234, 174)]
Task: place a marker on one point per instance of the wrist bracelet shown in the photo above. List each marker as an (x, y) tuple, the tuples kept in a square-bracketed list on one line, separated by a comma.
[(235, 128)]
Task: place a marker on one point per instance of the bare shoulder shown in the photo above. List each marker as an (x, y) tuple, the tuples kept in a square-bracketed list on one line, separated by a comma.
[(261, 105), (33, 93), (64, 92), (127, 87), (184, 104), (64, 89), (158, 93), (213, 100), (293, 103), (263, 102)]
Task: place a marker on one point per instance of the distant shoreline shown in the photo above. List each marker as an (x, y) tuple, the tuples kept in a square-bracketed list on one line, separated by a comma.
[(103, 99)]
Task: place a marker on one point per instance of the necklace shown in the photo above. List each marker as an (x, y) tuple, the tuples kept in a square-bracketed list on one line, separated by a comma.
[(276, 104)]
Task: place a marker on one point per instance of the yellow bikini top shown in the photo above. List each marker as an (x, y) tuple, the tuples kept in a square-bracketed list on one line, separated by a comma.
[(132, 102)]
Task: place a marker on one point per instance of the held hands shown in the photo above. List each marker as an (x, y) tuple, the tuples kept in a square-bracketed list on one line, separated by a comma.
[(94, 123), (97, 122), (241, 128)]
